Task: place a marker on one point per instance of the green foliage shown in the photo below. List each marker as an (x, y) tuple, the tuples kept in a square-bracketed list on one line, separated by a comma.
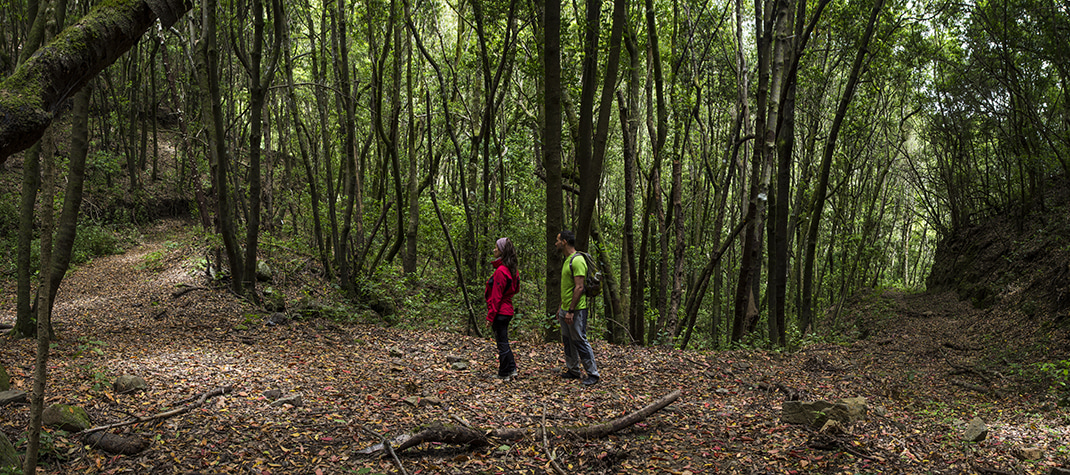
[(87, 345), (1058, 372), (152, 261), (48, 445)]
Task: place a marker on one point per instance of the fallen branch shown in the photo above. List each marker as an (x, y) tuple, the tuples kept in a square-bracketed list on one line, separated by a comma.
[(971, 387), (550, 455), (185, 290), (479, 438), (163, 415), (382, 439)]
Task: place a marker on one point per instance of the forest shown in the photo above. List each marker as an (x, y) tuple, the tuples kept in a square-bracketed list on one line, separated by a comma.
[(743, 173)]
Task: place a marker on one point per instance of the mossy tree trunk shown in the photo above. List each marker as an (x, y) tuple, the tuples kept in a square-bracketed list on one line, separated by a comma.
[(30, 96)]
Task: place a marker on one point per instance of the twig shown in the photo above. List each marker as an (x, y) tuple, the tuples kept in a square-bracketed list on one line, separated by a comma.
[(386, 445), (546, 446), (185, 290)]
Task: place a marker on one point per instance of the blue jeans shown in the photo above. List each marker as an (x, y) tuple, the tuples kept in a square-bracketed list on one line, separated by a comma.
[(506, 362), (574, 339)]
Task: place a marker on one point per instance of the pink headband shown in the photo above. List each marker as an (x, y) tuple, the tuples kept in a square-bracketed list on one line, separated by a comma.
[(501, 243)]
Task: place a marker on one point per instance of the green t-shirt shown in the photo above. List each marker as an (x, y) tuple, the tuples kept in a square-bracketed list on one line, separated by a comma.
[(568, 283)]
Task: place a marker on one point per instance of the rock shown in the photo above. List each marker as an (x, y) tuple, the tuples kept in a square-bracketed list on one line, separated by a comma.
[(1060, 471), (277, 318), (8, 457), (13, 396), (817, 413), (459, 366), (1030, 453), (413, 401), (722, 391), (5, 380), (273, 394), (396, 352), (129, 383), (453, 359), (832, 426), (976, 431), (432, 400), (293, 399), (66, 417), (263, 271), (274, 301)]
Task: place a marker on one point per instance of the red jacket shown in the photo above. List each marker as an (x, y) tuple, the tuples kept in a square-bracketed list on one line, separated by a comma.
[(499, 292)]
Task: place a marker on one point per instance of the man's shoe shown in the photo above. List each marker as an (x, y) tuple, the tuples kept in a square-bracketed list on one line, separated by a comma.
[(590, 381), (568, 375)]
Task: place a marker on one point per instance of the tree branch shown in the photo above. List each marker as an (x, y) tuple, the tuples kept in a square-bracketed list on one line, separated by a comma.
[(34, 92)]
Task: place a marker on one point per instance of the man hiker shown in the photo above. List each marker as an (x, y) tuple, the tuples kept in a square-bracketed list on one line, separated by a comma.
[(572, 315)]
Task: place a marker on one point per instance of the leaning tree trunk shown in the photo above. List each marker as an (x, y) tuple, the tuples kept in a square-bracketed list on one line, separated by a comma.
[(31, 95), (806, 313), (72, 198)]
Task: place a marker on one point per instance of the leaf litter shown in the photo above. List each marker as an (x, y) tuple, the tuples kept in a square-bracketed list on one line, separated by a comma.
[(115, 316)]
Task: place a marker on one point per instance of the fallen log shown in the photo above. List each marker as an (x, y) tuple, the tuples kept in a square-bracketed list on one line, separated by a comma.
[(461, 435)]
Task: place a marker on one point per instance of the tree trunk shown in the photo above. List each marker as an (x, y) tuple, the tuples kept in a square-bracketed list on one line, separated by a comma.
[(260, 79), (31, 179), (629, 119), (551, 152), (44, 309), (72, 198), (591, 144)]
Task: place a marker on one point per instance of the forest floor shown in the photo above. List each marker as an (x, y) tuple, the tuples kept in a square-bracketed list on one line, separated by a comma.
[(927, 365)]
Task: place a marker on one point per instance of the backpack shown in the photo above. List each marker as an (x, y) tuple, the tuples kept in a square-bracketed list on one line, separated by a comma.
[(592, 282)]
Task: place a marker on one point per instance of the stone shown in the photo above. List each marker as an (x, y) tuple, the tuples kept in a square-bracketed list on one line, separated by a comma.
[(976, 431), (263, 271), (273, 394), (66, 417), (13, 396), (274, 301), (453, 359), (832, 426), (396, 352), (1031, 453), (459, 365), (293, 399), (129, 383), (1060, 471), (816, 413), (5, 380), (277, 318), (9, 458)]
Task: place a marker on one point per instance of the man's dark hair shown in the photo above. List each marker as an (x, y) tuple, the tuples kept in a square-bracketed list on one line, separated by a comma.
[(569, 237)]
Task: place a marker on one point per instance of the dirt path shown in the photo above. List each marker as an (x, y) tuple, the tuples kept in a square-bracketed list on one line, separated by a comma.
[(117, 315)]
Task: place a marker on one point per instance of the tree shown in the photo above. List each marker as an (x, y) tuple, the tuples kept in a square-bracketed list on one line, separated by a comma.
[(806, 311)]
